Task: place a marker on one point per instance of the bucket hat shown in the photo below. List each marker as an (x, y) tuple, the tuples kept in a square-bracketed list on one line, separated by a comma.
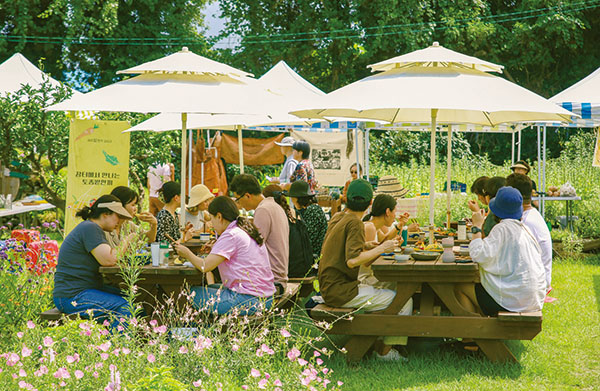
[(300, 189), (508, 203), (198, 195), (286, 142)]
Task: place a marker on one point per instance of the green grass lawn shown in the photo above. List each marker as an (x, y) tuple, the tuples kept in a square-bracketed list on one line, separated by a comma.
[(564, 356)]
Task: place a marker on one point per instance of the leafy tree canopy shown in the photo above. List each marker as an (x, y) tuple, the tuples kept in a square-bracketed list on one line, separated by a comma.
[(89, 40)]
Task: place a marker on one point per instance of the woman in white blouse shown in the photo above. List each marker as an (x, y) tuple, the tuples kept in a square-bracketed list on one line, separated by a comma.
[(510, 264)]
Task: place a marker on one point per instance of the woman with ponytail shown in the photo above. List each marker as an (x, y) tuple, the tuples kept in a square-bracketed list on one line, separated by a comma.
[(78, 286), (242, 261)]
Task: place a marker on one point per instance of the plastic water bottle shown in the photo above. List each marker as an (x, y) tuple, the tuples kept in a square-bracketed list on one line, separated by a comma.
[(462, 230), (404, 236)]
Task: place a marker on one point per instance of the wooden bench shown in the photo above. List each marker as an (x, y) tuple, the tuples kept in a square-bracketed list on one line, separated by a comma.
[(486, 331), (306, 284), (54, 314), (288, 298)]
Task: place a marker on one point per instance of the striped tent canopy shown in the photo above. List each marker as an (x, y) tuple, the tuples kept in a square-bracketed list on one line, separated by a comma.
[(426, 127), (583, 99), (328, 127)]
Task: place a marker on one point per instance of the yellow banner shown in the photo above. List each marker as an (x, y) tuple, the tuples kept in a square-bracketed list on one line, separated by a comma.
[(98, 162), (596, 162)]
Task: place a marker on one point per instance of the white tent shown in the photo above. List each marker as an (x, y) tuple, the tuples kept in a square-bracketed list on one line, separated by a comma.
[(582, 98), (435, 85), (17, 71)]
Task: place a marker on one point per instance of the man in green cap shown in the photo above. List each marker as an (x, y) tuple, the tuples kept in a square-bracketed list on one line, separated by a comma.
[(344, 251)]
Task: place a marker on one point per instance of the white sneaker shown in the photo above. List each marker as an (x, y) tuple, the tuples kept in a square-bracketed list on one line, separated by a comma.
[(392, 355)]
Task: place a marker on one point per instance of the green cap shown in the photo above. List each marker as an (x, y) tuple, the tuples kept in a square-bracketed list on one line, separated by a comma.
[(360, 190)]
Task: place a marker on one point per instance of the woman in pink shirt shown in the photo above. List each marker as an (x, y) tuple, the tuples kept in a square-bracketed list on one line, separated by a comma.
[(242, 260)]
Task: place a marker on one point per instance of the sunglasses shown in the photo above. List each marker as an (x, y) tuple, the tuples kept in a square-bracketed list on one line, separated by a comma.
[(240, 197), (353, 172)]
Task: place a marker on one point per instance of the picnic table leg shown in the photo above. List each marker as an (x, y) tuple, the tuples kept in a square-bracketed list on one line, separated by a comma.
[(447, 294), (357, 346), (495, 350), (426, 307)]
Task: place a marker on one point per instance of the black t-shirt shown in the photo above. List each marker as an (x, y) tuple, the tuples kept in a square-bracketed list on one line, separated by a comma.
[(77, 269)]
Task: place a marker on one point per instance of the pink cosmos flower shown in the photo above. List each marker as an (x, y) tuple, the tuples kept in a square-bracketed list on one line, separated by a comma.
[(302, 362), (197, 383), (259, 353), (22, 373), (254, 372), (319, 361), (285, 333), (340, 383), (293, 354), (262, 384), (316, 353), (161, 329), (62, 373), (48, 341), (20, 334), (13, 358), (95, 374), (105, 346), (244, 387), (278, 383), (206, 371), (305, 381), (104, 356), (126, 351), (26, 352), (183, 350), (235, 347), (78, 374), (153, 322), (30, 324), (151, 358)]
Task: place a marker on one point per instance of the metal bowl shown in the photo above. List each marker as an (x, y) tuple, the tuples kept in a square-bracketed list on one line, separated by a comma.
[(425, 255)]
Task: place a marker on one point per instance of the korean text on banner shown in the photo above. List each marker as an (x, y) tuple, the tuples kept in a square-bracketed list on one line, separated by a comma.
[(98, 162)]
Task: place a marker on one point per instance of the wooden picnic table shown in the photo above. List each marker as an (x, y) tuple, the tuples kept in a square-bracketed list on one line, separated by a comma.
[(158, 283), (433, 279)]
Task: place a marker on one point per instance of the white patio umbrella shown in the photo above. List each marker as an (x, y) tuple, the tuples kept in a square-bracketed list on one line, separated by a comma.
[(435, 85), (180, 83), (288, 90)]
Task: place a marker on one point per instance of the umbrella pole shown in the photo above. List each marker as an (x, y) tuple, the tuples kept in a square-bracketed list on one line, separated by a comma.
[(357, 152), (519, 147), (434, 113), (368, 157), (191, 139), (183, 168), (240, 148), (449, 177), (512, 149)]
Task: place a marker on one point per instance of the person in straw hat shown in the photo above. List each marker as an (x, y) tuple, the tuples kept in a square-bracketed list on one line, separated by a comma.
[(196, 213), (78, 285)]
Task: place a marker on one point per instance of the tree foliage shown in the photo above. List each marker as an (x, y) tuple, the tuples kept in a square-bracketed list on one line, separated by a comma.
[(35, 142), (545, 46), (111, 24)]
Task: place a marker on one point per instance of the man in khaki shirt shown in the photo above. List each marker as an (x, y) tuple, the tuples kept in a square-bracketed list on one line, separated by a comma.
[(271, 221), (344, 250)]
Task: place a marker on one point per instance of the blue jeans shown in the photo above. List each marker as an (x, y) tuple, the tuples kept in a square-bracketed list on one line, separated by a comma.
[(103, 302), (222, 300)]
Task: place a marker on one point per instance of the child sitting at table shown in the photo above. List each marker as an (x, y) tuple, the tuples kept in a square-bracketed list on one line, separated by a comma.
[(344, 251), (510, 262), (241, 257)]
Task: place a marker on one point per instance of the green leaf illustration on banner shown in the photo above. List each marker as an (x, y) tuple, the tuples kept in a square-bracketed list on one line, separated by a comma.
[(111, 159)]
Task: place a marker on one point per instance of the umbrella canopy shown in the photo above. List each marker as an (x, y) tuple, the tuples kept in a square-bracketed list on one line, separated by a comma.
[(288, 88), (165, 85), (582, 98), (434, 85), (17, 71)]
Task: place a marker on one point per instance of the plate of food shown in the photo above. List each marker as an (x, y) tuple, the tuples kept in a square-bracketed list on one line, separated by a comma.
[(425, 255)]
